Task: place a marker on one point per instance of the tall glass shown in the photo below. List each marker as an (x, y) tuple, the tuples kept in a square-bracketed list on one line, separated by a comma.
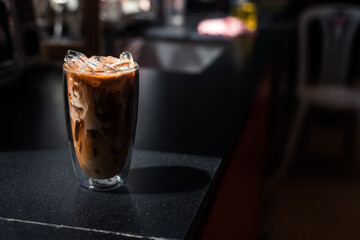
[(101, 114)]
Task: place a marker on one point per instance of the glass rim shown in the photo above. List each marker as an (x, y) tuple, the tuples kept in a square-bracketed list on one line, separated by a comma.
[(136, 67)]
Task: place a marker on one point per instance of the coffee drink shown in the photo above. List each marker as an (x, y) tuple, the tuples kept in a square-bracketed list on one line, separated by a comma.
[(102, 106)]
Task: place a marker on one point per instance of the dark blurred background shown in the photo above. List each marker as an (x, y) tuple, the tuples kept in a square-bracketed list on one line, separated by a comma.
[(289, 133)]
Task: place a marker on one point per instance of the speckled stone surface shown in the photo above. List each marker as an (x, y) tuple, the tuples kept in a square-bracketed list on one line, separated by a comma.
[(40, 197)]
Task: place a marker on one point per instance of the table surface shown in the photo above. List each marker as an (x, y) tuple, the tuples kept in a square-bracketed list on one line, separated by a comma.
[(41, 198)]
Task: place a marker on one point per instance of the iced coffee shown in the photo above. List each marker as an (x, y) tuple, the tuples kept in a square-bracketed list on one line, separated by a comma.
[(102, 106)]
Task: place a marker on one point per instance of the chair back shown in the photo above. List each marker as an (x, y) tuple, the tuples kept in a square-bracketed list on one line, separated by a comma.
[(338, 25)]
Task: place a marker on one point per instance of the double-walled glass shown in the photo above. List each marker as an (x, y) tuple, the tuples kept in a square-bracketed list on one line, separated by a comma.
[(101, 112)]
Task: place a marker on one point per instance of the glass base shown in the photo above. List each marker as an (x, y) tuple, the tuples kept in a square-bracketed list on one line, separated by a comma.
[(103, 184)]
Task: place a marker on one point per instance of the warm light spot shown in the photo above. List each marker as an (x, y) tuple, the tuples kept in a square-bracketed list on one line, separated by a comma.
[(145, 5), (227, 27)]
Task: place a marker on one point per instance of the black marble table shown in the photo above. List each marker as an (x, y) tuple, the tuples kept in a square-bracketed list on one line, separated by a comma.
[(40, 197)]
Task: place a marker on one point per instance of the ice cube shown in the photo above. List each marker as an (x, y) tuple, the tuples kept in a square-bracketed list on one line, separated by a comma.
[(95, 63), (79, 65), (96, 58), (126, 57), (109, 60), (72, 55), (123, 66), (124, 62), (79, 61)]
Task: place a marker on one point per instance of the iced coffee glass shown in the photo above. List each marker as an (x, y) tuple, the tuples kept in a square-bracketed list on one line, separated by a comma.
[(101, 98)]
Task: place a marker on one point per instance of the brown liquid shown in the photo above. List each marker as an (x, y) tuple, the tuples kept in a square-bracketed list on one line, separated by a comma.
[(101, 112)]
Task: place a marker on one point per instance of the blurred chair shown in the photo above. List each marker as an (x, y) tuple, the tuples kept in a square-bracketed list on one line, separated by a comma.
[(338, 24), (92, 34)]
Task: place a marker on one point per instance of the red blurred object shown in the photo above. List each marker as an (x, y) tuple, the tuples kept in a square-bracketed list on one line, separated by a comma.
[(227, 27)]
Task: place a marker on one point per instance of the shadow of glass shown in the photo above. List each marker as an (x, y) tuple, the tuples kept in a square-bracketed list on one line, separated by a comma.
[(165, 179)]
